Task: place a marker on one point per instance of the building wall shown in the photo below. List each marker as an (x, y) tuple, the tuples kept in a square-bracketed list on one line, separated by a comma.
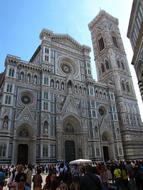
[(112, 66), (52, 109), (135, 34)]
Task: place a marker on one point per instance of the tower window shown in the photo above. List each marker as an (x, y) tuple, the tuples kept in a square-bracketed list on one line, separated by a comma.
[(102, 68), (128, 88), (52, 83), (107, 64), (11, 72), (47, 50), (115, 41), (21, 76), (123, 67), (118, 63), (9, 88), (35, 79), (46, 58), (123, 86), (7, 99), (101, 44)]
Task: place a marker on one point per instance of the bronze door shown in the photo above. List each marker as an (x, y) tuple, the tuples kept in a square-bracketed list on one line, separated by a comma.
[(69, 151), (22, 157), (106, 153)]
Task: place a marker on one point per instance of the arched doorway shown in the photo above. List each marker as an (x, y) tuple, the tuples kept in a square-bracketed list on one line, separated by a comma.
[(72, 138), (22, 156), (69, 151), (25, 145), (105, 153), (106, 142)]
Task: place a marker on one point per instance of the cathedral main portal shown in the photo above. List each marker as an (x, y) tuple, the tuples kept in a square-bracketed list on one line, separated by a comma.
[(69, 150), (72, 138), (22, 156)]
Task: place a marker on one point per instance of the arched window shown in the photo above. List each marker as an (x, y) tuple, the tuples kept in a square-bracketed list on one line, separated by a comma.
[(107, 64), (46, 80), (57, 84), (118, 131), (123, 86), (35, 79), (123, 67), (22, 76), (9, 88), (84, 90), (118, 63), (80, 89), (104, 95), (96, 93), (62, 86), (52, 83), (101, 44), (69, 85), (11, 72), (76, 89), (127, 86), (102, 68), (29, 77), (114, 41), (96, 129)]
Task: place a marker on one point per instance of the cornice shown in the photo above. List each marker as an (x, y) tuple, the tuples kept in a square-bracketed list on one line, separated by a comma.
[(102, 14), (45, 33)]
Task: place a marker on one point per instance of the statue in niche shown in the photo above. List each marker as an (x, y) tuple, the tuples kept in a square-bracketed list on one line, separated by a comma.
[(46, 127), (5, 122), (69, 86)]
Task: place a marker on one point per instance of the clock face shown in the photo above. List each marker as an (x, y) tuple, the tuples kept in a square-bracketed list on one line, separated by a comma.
[(66, 68)]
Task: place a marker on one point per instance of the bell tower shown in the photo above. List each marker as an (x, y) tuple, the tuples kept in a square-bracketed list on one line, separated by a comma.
[(112, 68)]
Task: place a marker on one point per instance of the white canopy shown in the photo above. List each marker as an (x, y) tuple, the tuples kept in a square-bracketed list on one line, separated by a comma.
[(80, 161)]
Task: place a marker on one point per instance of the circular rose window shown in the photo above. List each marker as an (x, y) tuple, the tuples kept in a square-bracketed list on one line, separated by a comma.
[(66, 68), (102, 111), (26, 99)]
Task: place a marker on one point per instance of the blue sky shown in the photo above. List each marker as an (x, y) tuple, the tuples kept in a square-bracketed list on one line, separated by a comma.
[(22, 20)]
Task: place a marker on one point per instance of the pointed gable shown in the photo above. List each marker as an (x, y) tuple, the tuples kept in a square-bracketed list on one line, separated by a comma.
[(70, 106)]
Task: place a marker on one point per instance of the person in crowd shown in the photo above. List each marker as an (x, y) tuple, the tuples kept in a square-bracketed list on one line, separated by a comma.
[(89, 181), (20, 179), (2, 178), (104, 176), (124, 174), (28, 172), (118, 177), (37, 180), (75, 184), (11, 181), (51, 182)]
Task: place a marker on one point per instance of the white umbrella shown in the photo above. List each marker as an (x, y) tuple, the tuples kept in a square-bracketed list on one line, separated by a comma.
[(80, 161)]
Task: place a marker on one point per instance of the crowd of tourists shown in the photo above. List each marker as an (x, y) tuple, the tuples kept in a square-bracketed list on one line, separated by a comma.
[(120, 175)]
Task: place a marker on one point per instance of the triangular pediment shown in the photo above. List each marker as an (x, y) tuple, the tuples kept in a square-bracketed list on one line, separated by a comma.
[(24, 115), (70, 106), (67, 41)]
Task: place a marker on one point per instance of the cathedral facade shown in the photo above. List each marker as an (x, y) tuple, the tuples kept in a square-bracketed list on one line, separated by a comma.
[(52, 109)]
